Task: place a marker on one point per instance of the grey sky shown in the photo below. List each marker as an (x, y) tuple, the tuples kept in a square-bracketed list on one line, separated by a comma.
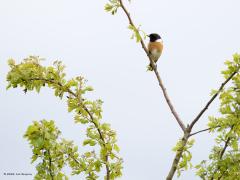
[(198, 37)]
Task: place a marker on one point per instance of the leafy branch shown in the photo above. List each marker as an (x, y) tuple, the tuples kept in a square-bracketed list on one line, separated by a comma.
[(224, 159), (31, 75)]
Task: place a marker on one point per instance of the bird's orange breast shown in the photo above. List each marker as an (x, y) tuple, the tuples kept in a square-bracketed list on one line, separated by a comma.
[(155, 46)]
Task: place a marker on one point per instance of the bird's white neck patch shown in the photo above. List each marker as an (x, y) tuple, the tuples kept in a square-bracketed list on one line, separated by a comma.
[(159, 40)]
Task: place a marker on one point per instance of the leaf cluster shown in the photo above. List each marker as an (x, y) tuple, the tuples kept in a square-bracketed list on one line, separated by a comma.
[(112, 6), (136, 33)]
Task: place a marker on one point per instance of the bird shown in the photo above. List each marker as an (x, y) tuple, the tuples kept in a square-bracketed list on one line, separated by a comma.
[(155, 47)]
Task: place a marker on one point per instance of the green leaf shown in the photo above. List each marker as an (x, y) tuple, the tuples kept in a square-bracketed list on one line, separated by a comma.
[(90, 142), (116, 148), (108, 7)]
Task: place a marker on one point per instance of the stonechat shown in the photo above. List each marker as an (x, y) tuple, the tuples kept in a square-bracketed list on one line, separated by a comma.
[(155, 47)]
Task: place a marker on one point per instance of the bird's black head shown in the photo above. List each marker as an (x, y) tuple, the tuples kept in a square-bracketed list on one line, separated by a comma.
[(154, 37)]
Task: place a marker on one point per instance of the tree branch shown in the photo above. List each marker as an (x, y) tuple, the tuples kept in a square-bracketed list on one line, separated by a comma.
[(211, 100), (160, 82), (207, 129)]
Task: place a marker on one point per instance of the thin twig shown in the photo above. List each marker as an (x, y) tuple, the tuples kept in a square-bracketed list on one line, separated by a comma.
[(222, 153), (224, 148), (212, 99), (181, 124), (50, 164), (207, 129), (226, 143)]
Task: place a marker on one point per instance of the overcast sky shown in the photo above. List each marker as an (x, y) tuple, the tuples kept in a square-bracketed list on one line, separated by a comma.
[(198, 37)]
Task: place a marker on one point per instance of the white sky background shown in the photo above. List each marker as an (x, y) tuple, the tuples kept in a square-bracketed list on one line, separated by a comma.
[(198, 37)]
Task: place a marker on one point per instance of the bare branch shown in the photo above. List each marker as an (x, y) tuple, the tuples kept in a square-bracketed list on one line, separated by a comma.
[(155, 71), (212, 99)]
